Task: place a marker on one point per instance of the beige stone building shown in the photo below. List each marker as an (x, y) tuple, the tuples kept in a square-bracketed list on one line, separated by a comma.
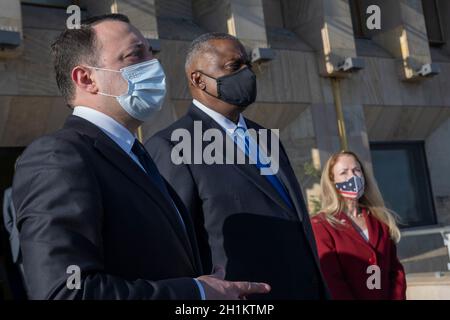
[(390, 102)]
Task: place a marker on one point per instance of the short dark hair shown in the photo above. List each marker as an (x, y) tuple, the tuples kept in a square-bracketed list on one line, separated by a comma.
[(201, 45), (75, 46)]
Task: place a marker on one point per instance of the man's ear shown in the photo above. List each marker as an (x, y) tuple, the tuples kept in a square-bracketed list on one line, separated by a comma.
[(197, 80), (82, 77)]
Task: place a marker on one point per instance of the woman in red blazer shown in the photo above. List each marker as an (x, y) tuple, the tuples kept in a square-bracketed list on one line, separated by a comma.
[(356, 234)]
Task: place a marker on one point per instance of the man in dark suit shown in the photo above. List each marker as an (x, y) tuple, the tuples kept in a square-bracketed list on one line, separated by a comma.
[(254, 225), (96, 220)]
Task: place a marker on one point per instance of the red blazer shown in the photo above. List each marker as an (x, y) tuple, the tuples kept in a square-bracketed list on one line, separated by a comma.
[(345, 256)]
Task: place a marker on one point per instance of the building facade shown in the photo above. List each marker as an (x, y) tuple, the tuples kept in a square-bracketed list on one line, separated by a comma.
[(390, 103)]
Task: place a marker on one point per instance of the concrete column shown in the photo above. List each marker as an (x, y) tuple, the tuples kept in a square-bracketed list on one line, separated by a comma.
[(403, 33), (326, 25), (325, 125), (142, 13), (241, 18), (326, 131)]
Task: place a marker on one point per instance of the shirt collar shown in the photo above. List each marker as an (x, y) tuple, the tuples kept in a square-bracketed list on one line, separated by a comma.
[(228, 125), (117, 132)]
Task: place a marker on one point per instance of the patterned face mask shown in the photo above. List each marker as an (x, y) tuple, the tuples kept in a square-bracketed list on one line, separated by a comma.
[(353, 188)]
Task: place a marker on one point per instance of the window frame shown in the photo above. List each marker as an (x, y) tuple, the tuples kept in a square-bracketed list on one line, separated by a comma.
[(438, 17), (417, 147), (358, 16)]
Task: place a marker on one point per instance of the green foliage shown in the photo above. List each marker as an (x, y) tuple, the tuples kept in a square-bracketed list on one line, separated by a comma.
[(316, 204), (311, 171)]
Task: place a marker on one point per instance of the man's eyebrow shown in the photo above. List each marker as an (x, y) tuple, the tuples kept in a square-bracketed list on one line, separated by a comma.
[(136, 45), (132, 49), (240, 58)]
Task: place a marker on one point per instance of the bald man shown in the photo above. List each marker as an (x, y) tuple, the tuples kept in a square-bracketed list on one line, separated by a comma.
[(254, 225)]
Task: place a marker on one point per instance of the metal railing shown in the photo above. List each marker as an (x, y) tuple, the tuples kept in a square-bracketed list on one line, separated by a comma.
[(443, 231)]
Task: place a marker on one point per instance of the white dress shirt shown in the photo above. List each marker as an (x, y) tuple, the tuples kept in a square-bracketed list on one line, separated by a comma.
[(255, 151), (228, 125), (113, 129)]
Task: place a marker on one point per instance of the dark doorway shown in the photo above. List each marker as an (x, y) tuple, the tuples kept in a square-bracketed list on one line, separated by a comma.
[(10, 279)]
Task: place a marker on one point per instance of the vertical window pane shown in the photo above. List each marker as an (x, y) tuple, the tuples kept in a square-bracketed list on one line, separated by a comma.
[(402, 176), (432, 22), (359, 19)]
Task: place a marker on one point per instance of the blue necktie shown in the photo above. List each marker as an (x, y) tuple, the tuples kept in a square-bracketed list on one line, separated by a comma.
[(152, 171), (242, 139)]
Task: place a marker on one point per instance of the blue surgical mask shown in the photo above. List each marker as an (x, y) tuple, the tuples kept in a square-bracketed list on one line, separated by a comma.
[(146, 89)]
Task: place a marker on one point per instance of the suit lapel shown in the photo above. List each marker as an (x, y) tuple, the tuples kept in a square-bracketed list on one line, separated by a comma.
[(189, 226), (250, 171), (117, 157), (286, 176)]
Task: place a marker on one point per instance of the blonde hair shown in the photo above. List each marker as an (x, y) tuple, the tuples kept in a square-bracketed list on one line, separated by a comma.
[(333, 203)]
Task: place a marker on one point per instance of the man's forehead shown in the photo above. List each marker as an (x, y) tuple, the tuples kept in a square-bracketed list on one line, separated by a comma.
[(116, 33), (226, 48)]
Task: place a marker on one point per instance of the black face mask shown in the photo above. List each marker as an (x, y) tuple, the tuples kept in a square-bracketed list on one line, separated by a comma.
[(238, 88)]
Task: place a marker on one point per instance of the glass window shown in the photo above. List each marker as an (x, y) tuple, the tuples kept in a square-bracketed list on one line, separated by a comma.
[(402, 175), (433, 22), (358, 12)]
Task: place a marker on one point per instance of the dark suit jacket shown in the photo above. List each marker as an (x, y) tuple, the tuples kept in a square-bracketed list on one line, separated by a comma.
[(242, 223), (9, 219), (82, 201), (345, 257)]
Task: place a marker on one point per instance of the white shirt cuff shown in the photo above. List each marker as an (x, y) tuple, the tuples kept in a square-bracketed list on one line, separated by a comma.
[(200, 288)]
